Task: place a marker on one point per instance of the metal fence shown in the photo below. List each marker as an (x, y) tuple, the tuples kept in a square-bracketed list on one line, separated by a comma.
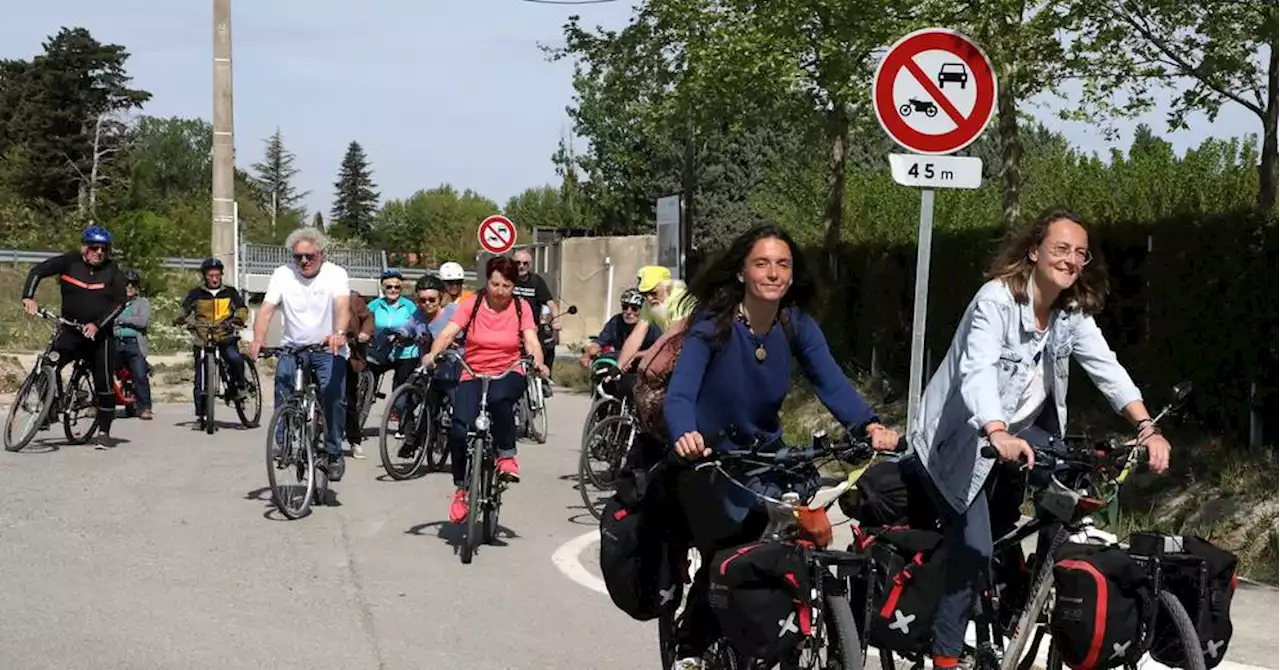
[(17, 256)]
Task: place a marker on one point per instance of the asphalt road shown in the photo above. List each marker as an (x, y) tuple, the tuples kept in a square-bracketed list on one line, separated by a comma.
[(166, 552)]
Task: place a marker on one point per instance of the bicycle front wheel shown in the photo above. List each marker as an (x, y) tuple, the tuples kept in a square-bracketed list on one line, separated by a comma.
[(475, 499), (402, 458), (250, 407), (1041, 586), (290, 462), (366, 387), (210, 392), (844, 646), (80, 417), (34, 399)]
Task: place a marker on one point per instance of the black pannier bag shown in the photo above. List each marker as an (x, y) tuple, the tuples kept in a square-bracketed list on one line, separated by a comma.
[(1203, 578), (1098, 611), (910, 566), (760, 593)]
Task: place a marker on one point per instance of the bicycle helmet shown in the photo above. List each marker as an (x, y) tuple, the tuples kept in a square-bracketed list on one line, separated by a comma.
[(632, 297), (95, 235), (391, 273), (210, 264), (131, 276), (429, 282), (452, 272)]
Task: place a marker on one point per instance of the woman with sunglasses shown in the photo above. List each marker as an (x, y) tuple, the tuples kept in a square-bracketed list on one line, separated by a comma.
[(395, 344)]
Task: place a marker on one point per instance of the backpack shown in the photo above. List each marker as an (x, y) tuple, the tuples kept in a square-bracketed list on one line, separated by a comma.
[(642, 545), (761, 595), (1098, 612), (1203, 578), (910, 566), (891, 493), (660, 363)]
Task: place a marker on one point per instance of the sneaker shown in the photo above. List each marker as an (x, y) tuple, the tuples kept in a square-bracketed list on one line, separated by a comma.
[(357, 451), (146, 414), (458, 508), (337, 467), (546, 388), (406, 449), (198, 425), (690, 663), (104, 441), (509, 469)]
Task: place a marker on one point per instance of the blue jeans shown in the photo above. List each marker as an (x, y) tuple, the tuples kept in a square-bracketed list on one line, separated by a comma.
[(131, 355), (503, 395), (231, 358), (332, 373)]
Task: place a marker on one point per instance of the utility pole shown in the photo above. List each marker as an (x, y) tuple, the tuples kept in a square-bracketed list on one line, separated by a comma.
[(224, 160)]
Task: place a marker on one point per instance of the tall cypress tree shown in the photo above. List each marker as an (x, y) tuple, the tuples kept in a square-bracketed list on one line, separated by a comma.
[(355, 199)]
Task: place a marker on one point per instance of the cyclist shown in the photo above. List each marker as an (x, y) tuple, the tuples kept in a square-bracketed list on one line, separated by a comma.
[(665, 305), (433, 305), (1006, 370), (361, 323), (499, 329), (315, 295), (394, 318), (214, 303), (453, 275), (619, 326), (752, 315), (93, 293), (131, 341)]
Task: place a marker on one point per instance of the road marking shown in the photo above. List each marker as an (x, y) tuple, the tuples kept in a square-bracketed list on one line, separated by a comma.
[(567, 559)]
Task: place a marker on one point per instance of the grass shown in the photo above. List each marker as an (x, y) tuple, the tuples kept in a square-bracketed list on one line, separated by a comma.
[(568, 374)]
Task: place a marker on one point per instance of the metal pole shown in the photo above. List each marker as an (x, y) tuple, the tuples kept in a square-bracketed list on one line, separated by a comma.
[(920, 304), (224, 219)]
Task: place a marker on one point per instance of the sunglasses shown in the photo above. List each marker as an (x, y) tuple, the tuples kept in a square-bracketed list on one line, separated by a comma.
[(427, 301), (391, 287), (309, 258), (631, 308), (524, 264), (96, 247)]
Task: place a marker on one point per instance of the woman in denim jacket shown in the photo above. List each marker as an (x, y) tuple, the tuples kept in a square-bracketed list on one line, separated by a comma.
[(1006, 370)]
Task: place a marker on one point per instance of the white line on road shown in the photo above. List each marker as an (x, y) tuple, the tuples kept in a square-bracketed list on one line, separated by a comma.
[(566, 559)]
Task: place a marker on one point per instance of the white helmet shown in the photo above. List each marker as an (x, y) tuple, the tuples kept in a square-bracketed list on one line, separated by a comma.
[(452, 272)]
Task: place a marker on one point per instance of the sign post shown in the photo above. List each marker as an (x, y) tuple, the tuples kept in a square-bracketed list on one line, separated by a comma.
[(670, 234), (934, 93), (497, 234)]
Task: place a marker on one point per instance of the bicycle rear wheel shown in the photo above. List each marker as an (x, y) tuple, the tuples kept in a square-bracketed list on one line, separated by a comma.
[(81, 404), (438, 440), (288, 453), (35, 398), (475, 499), (844, 646), (250, 408), (366, 387), (606, 447), (537, 404)]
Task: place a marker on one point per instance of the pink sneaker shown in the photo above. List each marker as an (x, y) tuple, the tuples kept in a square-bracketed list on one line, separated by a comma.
[(509, 469), (458, 508)]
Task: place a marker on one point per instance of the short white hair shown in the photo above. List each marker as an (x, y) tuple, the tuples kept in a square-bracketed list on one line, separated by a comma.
[(312, 235)]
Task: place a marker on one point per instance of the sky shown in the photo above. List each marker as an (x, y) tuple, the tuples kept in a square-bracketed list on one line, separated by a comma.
[(435, 91)]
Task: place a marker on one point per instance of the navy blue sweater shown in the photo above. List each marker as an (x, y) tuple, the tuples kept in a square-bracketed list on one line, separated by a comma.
[(714, 387)]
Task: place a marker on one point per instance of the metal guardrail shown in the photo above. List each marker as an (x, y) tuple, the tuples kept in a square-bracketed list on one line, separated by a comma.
[(20, 256)]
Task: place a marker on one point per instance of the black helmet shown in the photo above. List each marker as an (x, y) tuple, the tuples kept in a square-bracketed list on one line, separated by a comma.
[(210, 264), (428, 281), (132, 276)]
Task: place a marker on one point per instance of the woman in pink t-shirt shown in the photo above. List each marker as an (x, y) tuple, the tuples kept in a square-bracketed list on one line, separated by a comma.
[(498, 327)]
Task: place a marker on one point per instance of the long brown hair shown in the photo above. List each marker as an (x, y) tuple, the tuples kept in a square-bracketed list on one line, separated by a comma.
[(1012, 265)]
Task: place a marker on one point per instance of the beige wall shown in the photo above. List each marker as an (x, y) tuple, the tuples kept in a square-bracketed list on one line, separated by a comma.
[(584, 278)]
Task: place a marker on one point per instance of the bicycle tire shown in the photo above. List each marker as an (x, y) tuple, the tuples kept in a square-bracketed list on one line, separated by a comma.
[(540, 418), (493, 505), (844, 631), (210, 393), (617, 453), (1188, 637), (78, 374), (1041, 586), (595, 414), (401, 474), (475, 498), (42, 375), (279, 421), (438, 439), (247, 419), (584, 477), (366, 387), (315, 439)]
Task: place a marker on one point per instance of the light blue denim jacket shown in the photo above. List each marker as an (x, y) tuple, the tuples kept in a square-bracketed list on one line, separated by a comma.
[(984, 374)]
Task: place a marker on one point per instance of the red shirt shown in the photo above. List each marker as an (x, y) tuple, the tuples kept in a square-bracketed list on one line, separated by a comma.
[(493, 341)]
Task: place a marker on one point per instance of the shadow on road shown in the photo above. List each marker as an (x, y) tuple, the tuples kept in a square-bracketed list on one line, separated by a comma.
[(222, 425), (454, 533), (272, 513)]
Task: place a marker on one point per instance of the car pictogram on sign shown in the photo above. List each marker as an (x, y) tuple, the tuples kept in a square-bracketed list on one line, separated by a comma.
[(952, 72)]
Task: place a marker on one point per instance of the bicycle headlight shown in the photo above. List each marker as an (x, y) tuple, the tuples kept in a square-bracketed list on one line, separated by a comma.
[(482, 422), (54, 356)]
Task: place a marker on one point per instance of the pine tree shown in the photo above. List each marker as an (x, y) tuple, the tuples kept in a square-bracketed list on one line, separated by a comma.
[(275, 190), (355, 199), (317, 221)]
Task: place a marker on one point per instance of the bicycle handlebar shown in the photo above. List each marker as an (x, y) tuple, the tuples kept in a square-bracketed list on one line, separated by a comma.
[(518, 363), (46, 314), (847, 448), (285, 350)]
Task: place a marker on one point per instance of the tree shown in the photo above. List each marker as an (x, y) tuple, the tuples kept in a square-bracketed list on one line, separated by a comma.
[(438, 223), (317, 221), (50, 109), (1229, 51), (274, 185), (355, 201)]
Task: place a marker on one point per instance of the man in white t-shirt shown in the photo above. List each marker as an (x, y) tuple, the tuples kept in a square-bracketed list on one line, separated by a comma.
[(313, 297)]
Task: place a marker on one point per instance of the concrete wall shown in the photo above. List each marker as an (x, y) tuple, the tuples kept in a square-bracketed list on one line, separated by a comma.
[(585, 265)]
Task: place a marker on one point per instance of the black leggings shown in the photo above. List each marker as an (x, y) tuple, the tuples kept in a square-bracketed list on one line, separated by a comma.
[(72, 345)]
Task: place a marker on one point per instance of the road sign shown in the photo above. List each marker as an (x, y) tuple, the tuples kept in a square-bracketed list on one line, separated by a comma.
[(497, 234), (934, 91), (936, 171)]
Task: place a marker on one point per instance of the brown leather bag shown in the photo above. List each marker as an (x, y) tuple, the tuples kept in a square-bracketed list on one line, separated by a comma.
[(655, 371)]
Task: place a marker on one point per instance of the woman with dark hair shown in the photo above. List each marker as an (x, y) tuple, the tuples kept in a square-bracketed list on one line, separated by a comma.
[(499, 329), (1006, 371), (751, 316)]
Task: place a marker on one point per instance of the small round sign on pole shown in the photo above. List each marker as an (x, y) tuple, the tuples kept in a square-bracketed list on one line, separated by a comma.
[(497, 234)]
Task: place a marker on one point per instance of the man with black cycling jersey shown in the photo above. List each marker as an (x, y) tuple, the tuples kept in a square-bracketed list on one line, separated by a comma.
[(214, 303), (618, 328), (93, 293)]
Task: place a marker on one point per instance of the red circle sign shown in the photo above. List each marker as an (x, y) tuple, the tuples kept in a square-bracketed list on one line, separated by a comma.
[(497, 234), (934, 91)]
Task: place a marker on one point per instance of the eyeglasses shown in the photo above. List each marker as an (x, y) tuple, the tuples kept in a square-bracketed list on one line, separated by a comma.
[(99, 248), (391, 287), (1064, 250), (309, 258), (631, 308)]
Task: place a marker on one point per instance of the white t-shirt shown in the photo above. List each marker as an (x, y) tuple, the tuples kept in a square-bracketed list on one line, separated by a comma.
[(1037, 390), (307, 305)]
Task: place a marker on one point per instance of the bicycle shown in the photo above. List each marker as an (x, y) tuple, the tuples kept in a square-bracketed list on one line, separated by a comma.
[(835, 642), (604, 373), (531, 408), (422, 426), (295, 436), (485, 487), (43, 395), (1062, 484), (607, 442), (217, 380)]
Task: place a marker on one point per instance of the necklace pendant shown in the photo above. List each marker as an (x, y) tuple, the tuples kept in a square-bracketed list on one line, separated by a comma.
[(761, 354)]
